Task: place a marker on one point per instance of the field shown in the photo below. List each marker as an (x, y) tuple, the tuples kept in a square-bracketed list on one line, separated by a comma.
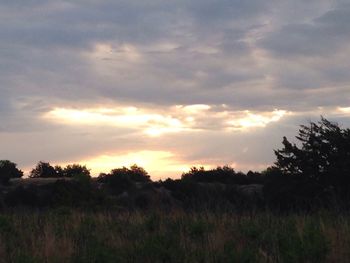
[(65, 235)]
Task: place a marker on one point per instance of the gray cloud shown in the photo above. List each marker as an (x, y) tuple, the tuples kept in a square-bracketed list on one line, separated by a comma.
[(250, 55), (321, 36)]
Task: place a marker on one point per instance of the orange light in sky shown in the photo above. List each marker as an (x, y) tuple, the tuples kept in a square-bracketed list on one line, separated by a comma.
[(160, 164)]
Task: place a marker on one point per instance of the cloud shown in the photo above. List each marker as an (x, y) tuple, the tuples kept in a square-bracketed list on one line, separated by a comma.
[(209, 82), (174, 119)]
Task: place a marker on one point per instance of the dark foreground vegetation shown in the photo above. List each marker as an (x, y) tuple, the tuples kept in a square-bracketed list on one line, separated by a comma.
[(65, 235), (295, 211)]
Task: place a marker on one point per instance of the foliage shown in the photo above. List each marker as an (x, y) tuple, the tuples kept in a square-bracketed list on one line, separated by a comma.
[(224, 174), (323, 156), (59, 171), (118, 184), (134, 173), (43, 170), (9, 170), (73, 170), (66, 193), (122, 179), (75, 236)]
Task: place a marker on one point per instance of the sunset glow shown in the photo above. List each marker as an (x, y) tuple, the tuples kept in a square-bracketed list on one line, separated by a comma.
[(159, 164), (344, 109)]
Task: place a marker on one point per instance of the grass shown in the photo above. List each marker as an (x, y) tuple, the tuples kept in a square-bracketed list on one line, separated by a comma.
[(65, 235)]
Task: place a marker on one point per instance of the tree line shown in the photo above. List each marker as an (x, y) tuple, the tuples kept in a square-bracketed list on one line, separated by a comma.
[(313, 172)]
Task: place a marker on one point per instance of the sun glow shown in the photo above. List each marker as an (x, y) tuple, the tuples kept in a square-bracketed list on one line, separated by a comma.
[(160, 164), (156, 122), (344, 109)]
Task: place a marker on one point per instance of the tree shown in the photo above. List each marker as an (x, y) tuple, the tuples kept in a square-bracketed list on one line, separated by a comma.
[(59, 171), (134, 173), (9, 170), (43, 170), (323, 155), (221, 174), (123, 179), (74, 170)]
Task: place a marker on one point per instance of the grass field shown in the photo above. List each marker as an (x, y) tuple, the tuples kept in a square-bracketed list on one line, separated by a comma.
[(63, 235)]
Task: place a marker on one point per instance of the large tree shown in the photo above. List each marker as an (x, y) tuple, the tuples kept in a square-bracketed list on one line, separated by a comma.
[(322, 154)]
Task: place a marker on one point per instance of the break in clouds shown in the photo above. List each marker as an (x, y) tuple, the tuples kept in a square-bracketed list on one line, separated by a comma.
[(167, 84)]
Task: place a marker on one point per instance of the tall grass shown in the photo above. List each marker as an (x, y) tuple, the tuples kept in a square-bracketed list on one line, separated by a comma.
[(64, 235)]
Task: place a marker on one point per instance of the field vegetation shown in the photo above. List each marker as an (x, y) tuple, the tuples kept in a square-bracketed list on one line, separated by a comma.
[(295, 211), (65, 235)]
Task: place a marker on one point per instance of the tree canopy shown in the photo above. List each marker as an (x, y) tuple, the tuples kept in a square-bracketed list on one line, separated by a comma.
[(134, 173), (9, 170), (323, 155), (43, 170), (73, 170)]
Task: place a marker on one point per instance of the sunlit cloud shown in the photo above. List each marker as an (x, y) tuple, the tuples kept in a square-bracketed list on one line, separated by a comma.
[(344, 109), (152, 124), (193, 109), (175, 119), (256, 119)]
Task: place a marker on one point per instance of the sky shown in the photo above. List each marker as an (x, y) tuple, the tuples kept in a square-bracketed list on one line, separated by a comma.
[(168, 84)]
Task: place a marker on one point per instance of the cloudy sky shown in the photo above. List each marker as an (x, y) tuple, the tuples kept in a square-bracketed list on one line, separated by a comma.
[(167, 84)]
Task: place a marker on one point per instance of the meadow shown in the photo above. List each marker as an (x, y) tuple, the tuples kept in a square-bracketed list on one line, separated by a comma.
[(70, 235)]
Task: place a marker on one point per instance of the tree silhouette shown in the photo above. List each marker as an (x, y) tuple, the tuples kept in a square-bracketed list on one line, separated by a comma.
[(122, 179), (134, 173), (73, 170), (323, 156), (43, 170), (223, 174), (9, 170)]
